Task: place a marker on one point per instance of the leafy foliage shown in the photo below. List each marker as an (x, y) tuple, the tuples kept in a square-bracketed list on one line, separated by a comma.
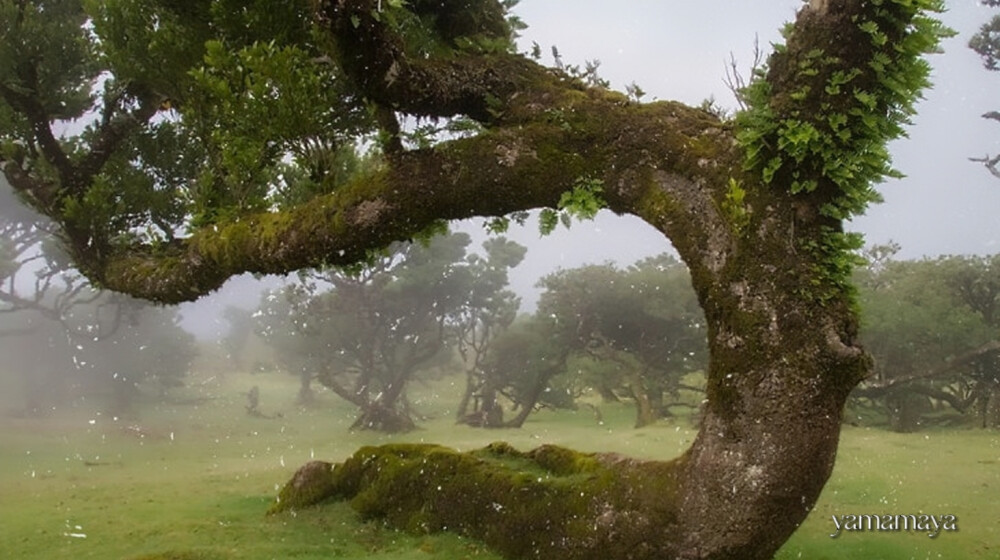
[(258, 107), (645, 319), (986, 43), (582, 202), (828, 137), (477, 325), (634, 332), (366, 332), (51, 38)]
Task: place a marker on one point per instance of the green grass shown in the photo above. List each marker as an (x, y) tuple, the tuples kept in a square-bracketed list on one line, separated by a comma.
[(192, 481), (937, 472)]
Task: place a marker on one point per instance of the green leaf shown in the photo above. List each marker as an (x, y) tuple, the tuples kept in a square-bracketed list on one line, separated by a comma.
[(498, 225), (548, 219)]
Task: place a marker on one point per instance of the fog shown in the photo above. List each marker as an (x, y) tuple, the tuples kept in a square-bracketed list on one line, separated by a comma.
[(579, 337)]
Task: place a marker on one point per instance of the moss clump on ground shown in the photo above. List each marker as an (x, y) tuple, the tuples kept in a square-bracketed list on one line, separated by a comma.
[(549, 502), (311, 484)]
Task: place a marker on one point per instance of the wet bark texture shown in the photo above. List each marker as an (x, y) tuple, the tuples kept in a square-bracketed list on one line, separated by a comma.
[(782, 359), (782, 362)]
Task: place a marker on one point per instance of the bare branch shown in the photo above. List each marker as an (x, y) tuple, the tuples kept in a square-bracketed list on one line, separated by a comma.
[(734, 79), (991, 163)]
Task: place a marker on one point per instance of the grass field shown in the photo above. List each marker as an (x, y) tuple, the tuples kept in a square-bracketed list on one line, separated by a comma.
[(192, 481)]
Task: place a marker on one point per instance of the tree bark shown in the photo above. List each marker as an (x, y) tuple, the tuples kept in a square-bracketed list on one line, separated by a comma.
[(782, 331)]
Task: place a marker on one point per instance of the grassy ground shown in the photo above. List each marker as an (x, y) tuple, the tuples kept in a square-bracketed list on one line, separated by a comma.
[(191, 481)]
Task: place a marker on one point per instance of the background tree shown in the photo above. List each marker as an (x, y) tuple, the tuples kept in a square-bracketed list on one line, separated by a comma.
[(238, 334), (365, 332), (150, 350), (914, 323), (281, 321), (49, 311), (518, 371), (645, 319), (987, 44), (975, 282), (489, 310), (96, 346), (641, 328), (754, 206), (930, 327)]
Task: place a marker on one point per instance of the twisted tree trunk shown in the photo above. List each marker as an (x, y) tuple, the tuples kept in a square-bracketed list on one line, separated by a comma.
[(753, 206)]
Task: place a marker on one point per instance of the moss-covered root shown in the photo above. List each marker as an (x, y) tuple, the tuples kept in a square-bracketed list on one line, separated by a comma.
[(551, 502), (311, 484)]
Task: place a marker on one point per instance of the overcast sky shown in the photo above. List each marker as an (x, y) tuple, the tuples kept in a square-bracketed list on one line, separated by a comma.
[(677, 49)]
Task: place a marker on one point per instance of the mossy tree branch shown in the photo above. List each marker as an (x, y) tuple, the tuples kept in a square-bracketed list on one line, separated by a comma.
[(492, 174), (754, 207)]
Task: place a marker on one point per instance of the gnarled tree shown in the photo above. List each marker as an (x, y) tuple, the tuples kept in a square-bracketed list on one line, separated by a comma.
[(203, 102)]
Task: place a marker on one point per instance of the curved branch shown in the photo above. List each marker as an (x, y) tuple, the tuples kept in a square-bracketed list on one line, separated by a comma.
[(990, 163), (641, 153), (35, 112)]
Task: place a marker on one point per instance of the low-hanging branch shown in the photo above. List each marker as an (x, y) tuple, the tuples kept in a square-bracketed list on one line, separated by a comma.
[(493, 174), (754, 206)]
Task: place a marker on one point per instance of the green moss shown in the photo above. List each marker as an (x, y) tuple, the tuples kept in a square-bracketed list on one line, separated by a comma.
[(549, 502), (311, 484)]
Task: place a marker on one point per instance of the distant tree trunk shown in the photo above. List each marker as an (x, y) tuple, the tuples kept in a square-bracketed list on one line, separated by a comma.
[(490, 408), (386, 411), (487, 412), (906, 409), (123, 393), (306, 396), (381, 418), (990, 405), (655, 392), (607, 393), (463, 405), (528, 401), (646, 412)]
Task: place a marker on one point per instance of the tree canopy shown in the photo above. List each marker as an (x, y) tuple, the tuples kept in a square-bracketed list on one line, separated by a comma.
[(931, 326), (365, 333), (213, 144)]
